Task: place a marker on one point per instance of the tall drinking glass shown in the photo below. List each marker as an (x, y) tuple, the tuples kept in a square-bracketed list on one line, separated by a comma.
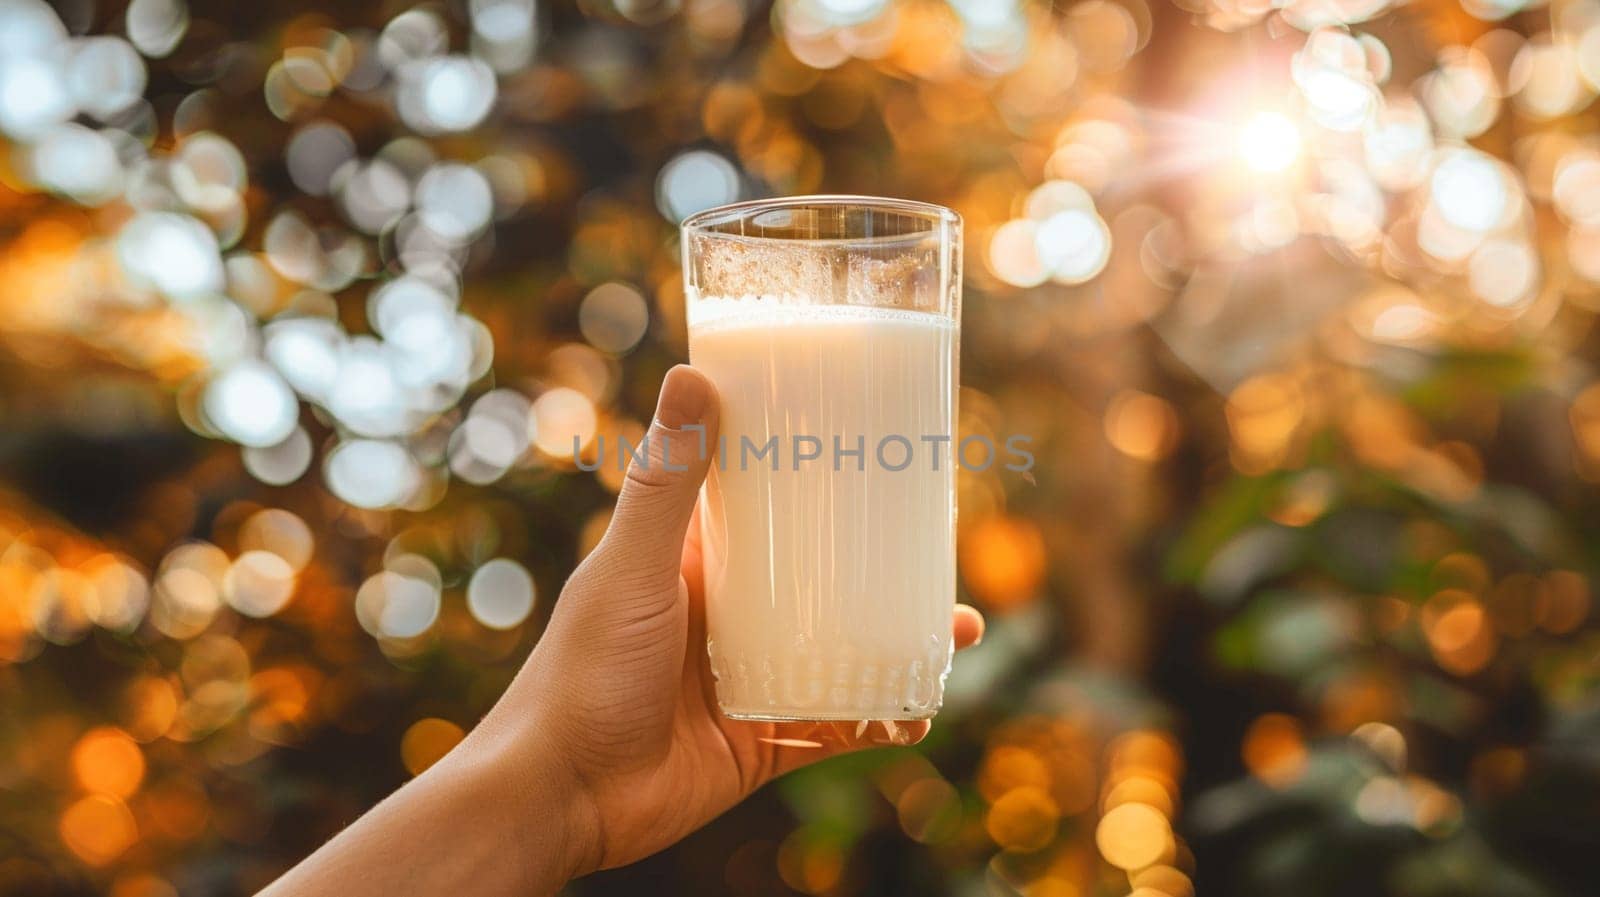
[(829, 325)]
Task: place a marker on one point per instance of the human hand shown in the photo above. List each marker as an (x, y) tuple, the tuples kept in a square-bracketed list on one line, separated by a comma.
[(616, 705), (608, 746)]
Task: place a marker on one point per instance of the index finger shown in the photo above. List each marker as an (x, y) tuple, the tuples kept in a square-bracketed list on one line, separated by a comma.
[(967, 626)]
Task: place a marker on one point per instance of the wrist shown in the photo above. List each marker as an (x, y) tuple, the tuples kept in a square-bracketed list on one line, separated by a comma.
[(544, 805)]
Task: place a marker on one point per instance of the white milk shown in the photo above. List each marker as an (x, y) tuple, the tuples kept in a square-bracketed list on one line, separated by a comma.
[(829, 592)]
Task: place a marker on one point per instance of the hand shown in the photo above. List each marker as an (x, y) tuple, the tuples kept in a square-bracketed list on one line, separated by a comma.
[(608, 746), (619, 688)]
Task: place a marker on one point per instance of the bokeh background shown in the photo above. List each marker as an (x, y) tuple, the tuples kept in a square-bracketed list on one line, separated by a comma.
[(303, 303)]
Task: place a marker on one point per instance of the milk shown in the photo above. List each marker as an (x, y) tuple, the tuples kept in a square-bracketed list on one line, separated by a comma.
[(829, 591)]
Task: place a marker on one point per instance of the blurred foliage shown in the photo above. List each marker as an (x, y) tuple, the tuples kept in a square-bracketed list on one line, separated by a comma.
[(305, 304)]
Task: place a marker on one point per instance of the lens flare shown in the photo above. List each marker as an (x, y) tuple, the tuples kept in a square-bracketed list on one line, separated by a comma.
[(1269, 142)]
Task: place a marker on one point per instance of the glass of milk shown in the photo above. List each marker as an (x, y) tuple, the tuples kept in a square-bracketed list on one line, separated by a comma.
[(830, 326)]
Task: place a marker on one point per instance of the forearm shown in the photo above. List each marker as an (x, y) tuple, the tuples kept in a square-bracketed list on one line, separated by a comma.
[(489, 819)]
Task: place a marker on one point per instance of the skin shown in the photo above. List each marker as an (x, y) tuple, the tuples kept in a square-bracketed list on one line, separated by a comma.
[(608, 746)]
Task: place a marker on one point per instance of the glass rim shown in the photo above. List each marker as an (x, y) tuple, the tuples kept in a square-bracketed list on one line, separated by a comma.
[(935, 215)]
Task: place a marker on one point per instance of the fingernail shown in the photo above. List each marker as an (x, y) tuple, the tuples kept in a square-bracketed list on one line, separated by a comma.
[(685, 393)]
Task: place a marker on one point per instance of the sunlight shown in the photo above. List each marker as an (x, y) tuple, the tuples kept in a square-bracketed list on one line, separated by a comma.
[(1269, 142)]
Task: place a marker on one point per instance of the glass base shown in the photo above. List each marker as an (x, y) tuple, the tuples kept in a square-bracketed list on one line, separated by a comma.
[(844, 686), (767, 715)]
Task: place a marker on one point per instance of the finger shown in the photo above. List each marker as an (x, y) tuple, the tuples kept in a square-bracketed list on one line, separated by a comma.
[(800, 744), (645, 538), (696, 662), (693, 570), (968, 626)]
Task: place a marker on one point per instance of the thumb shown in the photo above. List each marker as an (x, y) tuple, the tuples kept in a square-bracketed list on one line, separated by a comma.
[(658, 495)]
